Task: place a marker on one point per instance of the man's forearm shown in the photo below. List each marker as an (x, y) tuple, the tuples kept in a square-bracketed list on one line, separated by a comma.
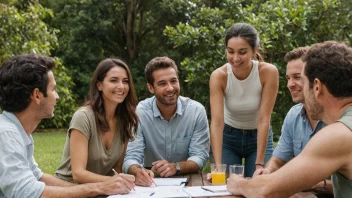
[(133, 169), (50, 180), (274, 164), (188, 167), (83, 190)]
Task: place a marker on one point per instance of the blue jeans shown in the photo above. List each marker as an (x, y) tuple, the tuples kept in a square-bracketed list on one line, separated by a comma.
[(239, 144)]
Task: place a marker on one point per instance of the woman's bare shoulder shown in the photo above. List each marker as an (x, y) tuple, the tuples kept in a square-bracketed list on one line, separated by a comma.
[(267, 67), (220, 72)]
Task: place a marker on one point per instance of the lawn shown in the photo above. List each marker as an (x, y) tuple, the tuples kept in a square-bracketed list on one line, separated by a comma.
[(48, 149)]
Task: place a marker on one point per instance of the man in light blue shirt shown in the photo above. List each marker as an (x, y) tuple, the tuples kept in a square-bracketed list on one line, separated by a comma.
[(298, 127), (28, 95), (173, 134)]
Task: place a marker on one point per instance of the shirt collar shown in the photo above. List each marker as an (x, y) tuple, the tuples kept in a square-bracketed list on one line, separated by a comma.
[(27, 138), (303, 111), (156, 110)]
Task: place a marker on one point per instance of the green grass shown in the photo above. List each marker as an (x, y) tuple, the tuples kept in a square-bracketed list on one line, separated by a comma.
[(48, 148)]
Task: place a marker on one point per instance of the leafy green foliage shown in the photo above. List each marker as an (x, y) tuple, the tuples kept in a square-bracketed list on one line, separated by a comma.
[(282, 24), (23, 31)]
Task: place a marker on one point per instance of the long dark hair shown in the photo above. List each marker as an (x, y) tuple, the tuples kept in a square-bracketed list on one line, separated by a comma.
[(248, 33), (125, 112)]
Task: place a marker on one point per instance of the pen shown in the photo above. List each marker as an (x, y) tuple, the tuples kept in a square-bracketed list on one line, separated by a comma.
[(148, 174), (117, 174), (206, 189), (151, 194)]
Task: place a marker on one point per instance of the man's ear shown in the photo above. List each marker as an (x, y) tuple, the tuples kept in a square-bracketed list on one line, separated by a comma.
[(150, 87), (317, 88), (36, 96)]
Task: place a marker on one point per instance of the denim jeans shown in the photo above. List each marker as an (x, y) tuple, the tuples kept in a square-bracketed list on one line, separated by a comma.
[(239, 144)]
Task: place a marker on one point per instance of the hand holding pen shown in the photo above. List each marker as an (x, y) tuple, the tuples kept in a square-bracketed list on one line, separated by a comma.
[(129, 178), (144, 177)]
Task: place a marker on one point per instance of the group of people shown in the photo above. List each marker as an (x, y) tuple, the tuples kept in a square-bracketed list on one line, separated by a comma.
[(168, 134)]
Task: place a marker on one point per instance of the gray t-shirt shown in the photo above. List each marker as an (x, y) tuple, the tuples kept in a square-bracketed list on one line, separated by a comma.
[(342, 186), (100, 160)]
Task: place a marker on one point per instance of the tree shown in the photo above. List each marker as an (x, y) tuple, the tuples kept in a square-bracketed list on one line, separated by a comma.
[(282, 25), (23, 31), (91, 30)]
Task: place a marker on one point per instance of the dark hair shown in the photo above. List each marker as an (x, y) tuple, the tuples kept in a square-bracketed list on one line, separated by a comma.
[(331, 63), (19, 76), (248, 33), (125, 112), (158, 63), (296, 54)]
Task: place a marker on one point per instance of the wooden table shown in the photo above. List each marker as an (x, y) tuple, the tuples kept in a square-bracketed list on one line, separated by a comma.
[(199, 179)]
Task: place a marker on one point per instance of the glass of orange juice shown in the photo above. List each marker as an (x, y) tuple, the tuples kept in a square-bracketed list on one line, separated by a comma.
[(218, 174)]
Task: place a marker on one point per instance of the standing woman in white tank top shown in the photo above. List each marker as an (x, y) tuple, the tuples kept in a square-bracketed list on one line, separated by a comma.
[(242, 96)]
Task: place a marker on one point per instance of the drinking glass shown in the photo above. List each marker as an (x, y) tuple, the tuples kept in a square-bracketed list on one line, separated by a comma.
[(218, 174), (237, 169)]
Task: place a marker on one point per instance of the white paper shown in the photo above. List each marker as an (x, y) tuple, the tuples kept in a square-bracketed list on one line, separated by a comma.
[(221, 188), (169, 181), (159, 192), (197, 191)]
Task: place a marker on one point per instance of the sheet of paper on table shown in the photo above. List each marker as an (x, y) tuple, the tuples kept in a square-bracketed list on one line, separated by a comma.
[(197, 191), (170, 181), (221, 188), (155, 192)]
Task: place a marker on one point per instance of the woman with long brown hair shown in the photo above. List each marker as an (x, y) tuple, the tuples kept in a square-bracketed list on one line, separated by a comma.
[(100, 130), (242, 97)]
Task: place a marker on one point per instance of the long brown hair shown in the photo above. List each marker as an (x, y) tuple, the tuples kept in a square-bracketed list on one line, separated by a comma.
[(125, 112)]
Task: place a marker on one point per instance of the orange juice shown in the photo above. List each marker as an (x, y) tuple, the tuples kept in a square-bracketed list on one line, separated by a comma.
[(218, 177)]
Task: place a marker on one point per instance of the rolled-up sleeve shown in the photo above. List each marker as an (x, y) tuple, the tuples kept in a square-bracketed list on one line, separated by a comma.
[(19, 173), (200, 142), (135, 151), (284, 148)]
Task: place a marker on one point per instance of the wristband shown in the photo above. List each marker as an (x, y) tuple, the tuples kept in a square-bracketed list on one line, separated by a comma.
[(262, 165)]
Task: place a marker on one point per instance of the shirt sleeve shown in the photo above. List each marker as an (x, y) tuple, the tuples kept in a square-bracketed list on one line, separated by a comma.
[(19, 174), (200, 142), (135, 151), (284, 148), (80, 121)]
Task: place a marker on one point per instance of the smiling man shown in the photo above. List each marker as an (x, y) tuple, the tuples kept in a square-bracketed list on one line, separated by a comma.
[(173, 135), (298, 127), (328, 96)]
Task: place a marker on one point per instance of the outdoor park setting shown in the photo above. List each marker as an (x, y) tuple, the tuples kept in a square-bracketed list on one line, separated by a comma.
[(79, 34)]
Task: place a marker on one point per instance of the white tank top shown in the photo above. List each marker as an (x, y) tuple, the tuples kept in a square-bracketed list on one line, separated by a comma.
[(242, 99)]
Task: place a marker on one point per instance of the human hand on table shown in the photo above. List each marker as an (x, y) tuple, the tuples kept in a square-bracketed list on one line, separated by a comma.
[(232, 183), (117, 184), (209, 178), (261, 171), (144, 177), (164, 168)]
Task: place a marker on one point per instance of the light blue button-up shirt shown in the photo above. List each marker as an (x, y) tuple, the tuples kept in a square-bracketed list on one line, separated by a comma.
[(19, 174), (184, 137), (295, 133)]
